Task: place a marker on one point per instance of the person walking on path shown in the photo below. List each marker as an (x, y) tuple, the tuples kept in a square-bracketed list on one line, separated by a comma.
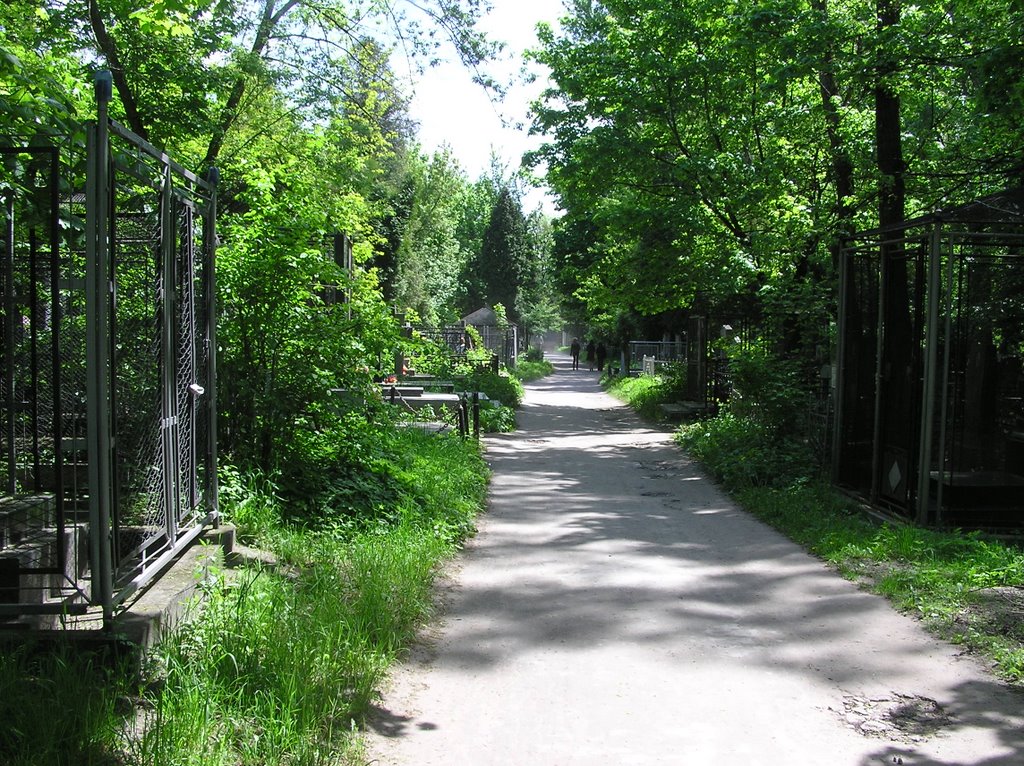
[(616, 608), (601, 353), (591, 354), (574, 351)]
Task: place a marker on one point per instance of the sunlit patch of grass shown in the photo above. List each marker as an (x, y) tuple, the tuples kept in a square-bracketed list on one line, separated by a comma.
[(643, 393), (527, 370)]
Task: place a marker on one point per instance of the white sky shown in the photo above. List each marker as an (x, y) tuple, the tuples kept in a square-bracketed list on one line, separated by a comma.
[(452, 110)]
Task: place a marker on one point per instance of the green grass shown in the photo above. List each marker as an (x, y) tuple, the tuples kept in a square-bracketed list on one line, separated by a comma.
[(281, 663), (643, 393), (527, 370), (58, 705)]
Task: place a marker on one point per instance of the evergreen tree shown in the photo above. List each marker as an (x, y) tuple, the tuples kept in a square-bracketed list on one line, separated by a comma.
[(502, 267)]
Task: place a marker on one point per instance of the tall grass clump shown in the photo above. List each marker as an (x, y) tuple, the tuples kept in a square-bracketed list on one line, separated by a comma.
[(58, 705), (527, 370), (285, 658), (280, 663), (642, 393)]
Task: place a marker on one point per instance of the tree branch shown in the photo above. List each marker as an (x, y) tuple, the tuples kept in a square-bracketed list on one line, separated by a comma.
[(108, 48)]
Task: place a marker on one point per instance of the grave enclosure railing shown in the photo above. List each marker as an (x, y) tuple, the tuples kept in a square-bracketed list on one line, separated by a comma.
[(930, 395), (109, 370)]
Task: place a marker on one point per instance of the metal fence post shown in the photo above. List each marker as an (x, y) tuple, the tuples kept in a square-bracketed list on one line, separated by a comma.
[(931, 357), (476, 415), (168, 406), (97, 351), (210, 276), (9, 310)]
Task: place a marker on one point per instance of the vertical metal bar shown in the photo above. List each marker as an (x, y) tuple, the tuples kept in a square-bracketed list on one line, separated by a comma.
[(97, 362), (840, 376), (947, 351), (876, 438), (476, 415), (34, 321), (931, 355), (168, 408), (188, 302), (113, 361), (55, 341), (210, 275), (9, 311), (54, 298)]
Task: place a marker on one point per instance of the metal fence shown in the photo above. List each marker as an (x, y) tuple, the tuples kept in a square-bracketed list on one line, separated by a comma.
[(42, 534), (930, 389), (113, 472), (658, 350)]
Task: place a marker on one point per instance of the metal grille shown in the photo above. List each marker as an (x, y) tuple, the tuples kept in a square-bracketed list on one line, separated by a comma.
[(108, 422), (42, 546), (156, 336), (930, 390)]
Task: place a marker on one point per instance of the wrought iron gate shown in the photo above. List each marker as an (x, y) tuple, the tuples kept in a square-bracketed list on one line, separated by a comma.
[(150, 238), (109, 370)]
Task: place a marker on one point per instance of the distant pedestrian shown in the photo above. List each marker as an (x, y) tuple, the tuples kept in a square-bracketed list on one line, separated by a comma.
[(601, 353), (591, 354), (574, 349)]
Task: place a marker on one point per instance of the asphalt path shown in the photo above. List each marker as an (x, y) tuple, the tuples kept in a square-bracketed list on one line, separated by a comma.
[(617, 608)]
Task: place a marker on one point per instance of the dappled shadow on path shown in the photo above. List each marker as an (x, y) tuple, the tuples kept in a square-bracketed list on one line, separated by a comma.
[(601, 533)]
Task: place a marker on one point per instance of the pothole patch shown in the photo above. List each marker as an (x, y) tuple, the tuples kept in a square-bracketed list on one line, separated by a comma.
[(894, 716)]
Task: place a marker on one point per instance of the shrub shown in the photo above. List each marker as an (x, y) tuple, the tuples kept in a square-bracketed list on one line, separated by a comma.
[(743, 452), (768, 390), (501, 386), (642, 393), (527, 370), (497, 419)]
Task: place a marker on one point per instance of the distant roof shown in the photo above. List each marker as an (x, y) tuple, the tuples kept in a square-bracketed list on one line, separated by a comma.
[(483, 317)]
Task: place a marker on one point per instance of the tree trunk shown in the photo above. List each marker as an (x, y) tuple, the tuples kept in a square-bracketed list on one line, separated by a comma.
[(842, 166), (108, 47), (888, 143)]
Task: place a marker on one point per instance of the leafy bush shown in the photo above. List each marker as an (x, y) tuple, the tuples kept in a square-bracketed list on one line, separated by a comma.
[(354, 479), (642, 393), (768, 390), (534, 354), (744, 452), (494, 420), (501, 386), (526, 370), (672, 381)]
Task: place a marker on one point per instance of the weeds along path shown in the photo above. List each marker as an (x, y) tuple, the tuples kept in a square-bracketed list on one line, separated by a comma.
[(616, 608)]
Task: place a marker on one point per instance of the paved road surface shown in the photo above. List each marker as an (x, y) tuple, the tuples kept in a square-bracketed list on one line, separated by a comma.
[(616, 608)]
